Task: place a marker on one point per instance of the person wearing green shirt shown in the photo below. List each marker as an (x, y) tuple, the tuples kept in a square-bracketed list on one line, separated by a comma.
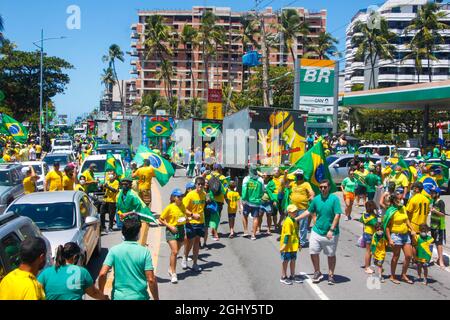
[(348, 187), (67, 281), (325, 233), (132, 264), (252, 192), (372, 182), (438, 224), (436, 152)]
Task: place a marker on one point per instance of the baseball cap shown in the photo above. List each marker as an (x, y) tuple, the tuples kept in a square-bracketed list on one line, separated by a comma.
[(190, 185), (25, 170), (298, 172), (399, 190), (217, 167), (202, 170), (177, 193), (292, 208)]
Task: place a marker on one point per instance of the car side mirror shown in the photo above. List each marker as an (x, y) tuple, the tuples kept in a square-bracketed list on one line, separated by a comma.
[(90, 221), (335, 165)]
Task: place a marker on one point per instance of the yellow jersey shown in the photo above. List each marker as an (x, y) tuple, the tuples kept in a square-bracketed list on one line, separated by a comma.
[(233, 197), (221, 197), (300, 194), (174, 215), (7, 158), (110, 196), (38, 149), (418, 208), (21, 285), (55, 179), (398, 222), (28, 185), (145, 175), (278, 184), (400, 181), (291, 229), (413, 173), (68, 183), (380, 250), (195, 202)]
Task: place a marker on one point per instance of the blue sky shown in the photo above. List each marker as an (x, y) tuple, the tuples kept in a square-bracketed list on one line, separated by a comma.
[(105, 22)]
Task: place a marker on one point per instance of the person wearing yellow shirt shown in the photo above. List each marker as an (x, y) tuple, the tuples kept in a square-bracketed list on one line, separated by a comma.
[(111, 187), (145, 175), (369, 220), (69, 178), (289, 245), (413, 169), (91, 182), (81, 184), (378, 249), (301, 194), (219, 199), (418, 207), (194, 202), (29, 183), (233, 201), (400, 180), (21, 283), (398, 229), (54, 179), (7, 157), (38, 151), (207, 151), (174, 219)]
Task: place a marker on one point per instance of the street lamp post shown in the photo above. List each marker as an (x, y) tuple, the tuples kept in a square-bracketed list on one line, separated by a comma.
[(41, 84)]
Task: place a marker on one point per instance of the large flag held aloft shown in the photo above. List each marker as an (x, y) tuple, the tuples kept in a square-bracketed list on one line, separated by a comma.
[(163, 168), (315, 168), (12, 127), (112, 164)]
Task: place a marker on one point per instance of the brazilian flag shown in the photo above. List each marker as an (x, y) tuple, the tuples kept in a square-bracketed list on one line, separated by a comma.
[(12, 127), (112, 164), (210, 130), (117, 126), (159, 129)]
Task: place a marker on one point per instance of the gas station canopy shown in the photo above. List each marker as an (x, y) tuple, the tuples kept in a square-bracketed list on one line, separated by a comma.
[(435, 95)]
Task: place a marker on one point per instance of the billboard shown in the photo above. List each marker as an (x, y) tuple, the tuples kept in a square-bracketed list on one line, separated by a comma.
[(214, 107)]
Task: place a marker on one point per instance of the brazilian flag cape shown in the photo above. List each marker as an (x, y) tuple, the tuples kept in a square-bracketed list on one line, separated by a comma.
[(375, 241), (112, 164), (424, 252), (371, 221), (386, 220), (133, 203)]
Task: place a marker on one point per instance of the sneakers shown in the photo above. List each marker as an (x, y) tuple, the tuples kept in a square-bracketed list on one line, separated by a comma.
[(296, 279), (173, 277), (253, 238), (349, 218), (318, 276), (196, 268), (184, 263), (286, 281), (331, 281)]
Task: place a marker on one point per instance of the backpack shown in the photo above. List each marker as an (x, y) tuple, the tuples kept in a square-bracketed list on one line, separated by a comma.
[(215, 185)]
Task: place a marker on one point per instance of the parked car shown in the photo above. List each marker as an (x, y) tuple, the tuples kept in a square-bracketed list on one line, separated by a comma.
[(100, 161), (62, 217), (13, 230), (116, 149), (65, 152), (409, 152), (340, 164), (11, 186), (382, 149), (41, 168), (62, 144), (64, 159)]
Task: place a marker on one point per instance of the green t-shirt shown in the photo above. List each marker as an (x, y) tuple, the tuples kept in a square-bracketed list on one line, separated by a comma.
[(349, 185), (438, 222), (372, 181), (129, 260), (326, 209), (69, 282)]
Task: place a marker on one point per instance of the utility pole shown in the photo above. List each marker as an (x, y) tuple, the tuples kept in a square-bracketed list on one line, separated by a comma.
[(265, 56), (41, 85)]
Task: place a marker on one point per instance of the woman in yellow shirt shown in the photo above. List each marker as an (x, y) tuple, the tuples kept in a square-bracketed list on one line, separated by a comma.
[(398, 232), (29, 183), (174, 218)]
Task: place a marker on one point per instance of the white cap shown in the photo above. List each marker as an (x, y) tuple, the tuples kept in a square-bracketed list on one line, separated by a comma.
[(25, 170)]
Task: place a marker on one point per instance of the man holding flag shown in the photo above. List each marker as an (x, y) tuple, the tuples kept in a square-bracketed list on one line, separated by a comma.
[(145, 175)]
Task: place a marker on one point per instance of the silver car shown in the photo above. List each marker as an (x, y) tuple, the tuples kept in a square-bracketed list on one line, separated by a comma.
[(68, 216), (11, 186), (340, 164)]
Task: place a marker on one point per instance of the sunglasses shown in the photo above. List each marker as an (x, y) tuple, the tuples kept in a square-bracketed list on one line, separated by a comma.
[(323, 187), (200, 184)]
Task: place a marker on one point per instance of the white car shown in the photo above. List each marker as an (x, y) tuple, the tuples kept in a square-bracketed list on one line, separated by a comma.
[(62, 145), (382, 149), (409, 152), (41, 169), (100, 161)]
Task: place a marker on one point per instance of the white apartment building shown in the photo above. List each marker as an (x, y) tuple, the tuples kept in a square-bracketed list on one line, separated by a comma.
[(397, 72)]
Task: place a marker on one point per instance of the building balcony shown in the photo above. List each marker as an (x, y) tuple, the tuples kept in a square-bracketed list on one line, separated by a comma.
[(133, 44), (135, 35), (134, 71), (133, 53), (134, 26)]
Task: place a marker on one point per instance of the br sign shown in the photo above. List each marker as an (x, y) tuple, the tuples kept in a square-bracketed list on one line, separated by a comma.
[(317, 82)]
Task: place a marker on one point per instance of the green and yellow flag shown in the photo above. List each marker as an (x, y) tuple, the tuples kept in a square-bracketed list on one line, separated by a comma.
[(112, 164), (159, 129), (12, 127), (163, 168), (210, 130), (315, 168)]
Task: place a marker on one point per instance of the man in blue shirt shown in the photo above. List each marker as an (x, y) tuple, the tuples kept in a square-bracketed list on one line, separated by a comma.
[(132, 264)]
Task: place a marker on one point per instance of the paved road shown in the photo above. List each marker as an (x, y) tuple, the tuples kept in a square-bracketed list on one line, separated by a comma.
[(243, 269)]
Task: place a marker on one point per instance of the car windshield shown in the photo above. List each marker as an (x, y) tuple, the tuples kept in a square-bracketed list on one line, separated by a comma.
[(331, 159), (50, 160), (5, 179), (382, 151), (62, 143), (48, 216), (113, 151), (100, 165), (403, 153)]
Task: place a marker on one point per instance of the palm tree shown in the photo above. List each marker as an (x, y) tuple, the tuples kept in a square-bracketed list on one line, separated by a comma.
[(189, 40), (210, 36), (291, 26), (373, 44), (164, 75), (149, 104), (417, 54), (427, 27), (2, 25), (325, 48), (159, 43), (115, 53), (108, 79)]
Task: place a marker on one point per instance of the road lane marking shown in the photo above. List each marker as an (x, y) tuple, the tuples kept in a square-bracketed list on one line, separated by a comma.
[(315, 287)]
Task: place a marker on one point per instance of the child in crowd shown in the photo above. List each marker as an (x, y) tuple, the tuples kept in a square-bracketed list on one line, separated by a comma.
[(233, 201), (289, 245), (423, 243), (378, 249), (369, 220)]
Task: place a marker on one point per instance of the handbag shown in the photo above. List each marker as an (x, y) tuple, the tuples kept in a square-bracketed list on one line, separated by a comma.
[(361, 243)]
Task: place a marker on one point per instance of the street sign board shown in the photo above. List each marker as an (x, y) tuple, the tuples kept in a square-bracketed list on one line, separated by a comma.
[(317, 82)]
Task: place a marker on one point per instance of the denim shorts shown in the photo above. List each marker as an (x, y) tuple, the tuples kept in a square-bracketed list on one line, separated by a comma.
[(288, 256), (250, 210), (195, 230), (179, 236), (231, 216), (401, 239), (367, 238), (266, 207)]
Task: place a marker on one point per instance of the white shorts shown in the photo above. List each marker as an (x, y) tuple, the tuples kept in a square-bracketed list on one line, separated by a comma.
[(317, 243)]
